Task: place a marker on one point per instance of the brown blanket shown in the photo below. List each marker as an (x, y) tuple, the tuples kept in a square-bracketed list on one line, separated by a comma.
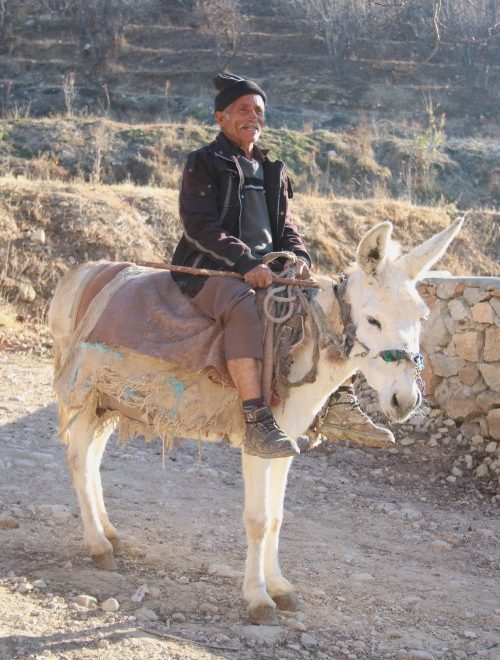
[(148, 314)]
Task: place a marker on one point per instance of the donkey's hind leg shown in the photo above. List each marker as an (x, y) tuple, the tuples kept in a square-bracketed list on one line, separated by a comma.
[(101, 438), (82, 464)]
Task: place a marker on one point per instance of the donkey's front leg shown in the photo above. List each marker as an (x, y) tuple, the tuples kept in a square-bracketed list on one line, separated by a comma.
[(261, 608), (280, 590)]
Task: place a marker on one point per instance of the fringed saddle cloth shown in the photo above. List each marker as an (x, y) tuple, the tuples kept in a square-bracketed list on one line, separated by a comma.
[(142, 354)]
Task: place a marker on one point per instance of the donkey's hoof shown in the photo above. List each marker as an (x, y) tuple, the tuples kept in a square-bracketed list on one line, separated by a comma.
[(118, 545), (287, 602), (263, 615), (105, 561)]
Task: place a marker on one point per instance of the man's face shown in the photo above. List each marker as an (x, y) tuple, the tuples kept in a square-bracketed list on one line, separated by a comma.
[(243, 120)]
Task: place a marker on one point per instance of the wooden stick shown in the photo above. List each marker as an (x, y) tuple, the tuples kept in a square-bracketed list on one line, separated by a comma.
[(224, 273)]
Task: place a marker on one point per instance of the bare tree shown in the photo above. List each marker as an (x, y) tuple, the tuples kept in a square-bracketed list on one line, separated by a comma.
[(340, 22), (222, 19)]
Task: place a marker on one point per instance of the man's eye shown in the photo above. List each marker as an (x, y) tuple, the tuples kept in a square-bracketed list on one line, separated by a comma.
[(374, 322)]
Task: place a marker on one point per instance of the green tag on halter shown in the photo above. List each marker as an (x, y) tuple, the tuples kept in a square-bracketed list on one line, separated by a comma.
[(393, 355)]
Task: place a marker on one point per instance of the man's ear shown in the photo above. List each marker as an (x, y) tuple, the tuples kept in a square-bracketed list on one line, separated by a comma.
[(219, 116)]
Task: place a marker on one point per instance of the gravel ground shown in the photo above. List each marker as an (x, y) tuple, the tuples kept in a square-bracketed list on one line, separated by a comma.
[(392, 560)]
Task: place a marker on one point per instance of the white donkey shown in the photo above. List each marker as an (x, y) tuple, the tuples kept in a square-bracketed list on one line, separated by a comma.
[(386, 314)]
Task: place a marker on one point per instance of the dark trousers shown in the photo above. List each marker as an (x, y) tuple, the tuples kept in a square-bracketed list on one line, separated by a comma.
[(231, 302)]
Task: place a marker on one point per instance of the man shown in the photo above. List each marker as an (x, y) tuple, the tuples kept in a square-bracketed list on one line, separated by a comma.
[(234, 208)]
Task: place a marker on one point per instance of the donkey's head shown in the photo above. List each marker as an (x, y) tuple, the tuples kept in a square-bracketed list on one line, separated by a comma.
[(387, 312)]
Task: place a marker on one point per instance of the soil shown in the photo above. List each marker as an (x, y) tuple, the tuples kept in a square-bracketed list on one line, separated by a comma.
[(389, 563)]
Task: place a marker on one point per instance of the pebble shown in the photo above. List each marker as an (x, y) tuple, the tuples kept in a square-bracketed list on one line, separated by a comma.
[(178, 617), (417, 654), (25, 587), (183, 579), (413, 600), (54, 511), (362, 577), (85, 601), (208, 608), (110, 605), (457, 472), (295, 625), (470, 634), (260, 634), (308, 641), (8, 523), (440, 546), (146, 613), (139, 594), (102, 644), (482, 471), (406, 442), (491, 447), (224, 570), (40, 584)]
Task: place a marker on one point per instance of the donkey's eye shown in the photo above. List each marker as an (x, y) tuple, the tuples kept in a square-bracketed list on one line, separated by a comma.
[(374, 322)]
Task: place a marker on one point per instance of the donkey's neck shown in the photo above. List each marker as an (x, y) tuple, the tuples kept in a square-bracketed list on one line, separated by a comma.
[(303, 403)]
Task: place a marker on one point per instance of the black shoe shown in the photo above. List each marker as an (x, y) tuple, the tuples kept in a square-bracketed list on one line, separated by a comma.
[(263, 437)]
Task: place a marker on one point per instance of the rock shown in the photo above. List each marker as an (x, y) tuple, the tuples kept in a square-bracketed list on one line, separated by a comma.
[(406, 442), (85, 601), (457, 472), (491, 351), (493, 419), (491, 375), (440, 546), (146, 614), (445, 366), (451, 479), (139, 594), (26, 291), (308, 641), (224, 570), (469, 345), (40, 584), (488, 400), (295, 625), (456, 400), (491, 448), (177, 617), (459, 310), (6, 522), (469, 463), (56, 512), (435, 332), (25, 587), (417, 654), (446, 290), (483, 313), (482, 471), (38, 236), (260, 634), (469, 634), (413, 600), (208, 608), (110, 605), (362, 577), (102, 644), (468, 375), (183, 579)]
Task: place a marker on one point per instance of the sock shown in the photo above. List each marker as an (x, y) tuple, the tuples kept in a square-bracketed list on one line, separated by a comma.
[(254, 403)]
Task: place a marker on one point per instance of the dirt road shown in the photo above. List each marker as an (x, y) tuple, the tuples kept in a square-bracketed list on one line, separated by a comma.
[(390, 563)]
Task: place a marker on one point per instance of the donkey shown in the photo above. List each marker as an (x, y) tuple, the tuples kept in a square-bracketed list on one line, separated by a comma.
[(385, 317)]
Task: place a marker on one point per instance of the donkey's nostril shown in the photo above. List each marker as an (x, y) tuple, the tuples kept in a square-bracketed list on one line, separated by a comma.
[(395, 401)]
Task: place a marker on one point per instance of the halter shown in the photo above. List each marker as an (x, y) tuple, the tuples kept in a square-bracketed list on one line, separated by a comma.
[(416, 360)]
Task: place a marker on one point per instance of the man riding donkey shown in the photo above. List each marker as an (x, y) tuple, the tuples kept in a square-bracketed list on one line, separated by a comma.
[(234, 209)]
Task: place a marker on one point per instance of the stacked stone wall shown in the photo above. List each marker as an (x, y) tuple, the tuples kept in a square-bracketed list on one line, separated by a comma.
[(461, 344)]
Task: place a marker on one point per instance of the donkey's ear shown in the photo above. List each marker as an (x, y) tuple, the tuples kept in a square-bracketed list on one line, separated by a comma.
[(373, 247), (424, 256)]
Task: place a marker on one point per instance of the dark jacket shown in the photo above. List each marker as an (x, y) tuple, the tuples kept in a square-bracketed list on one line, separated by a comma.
[(211, 203)]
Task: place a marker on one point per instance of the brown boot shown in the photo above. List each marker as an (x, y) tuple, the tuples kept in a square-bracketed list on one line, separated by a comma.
[(263, 437), (346, 420)]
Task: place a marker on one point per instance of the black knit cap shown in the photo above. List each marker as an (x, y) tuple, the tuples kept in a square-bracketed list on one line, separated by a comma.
[(232, 87)]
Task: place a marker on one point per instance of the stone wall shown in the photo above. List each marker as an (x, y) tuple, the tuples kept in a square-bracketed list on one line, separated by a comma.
[(461, 344)]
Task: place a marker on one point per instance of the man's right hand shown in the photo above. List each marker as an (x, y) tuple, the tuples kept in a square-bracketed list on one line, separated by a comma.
[(259, 277)]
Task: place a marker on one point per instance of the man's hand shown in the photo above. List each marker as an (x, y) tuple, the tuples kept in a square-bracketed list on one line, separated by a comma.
[(302, 270), (259, 277)]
